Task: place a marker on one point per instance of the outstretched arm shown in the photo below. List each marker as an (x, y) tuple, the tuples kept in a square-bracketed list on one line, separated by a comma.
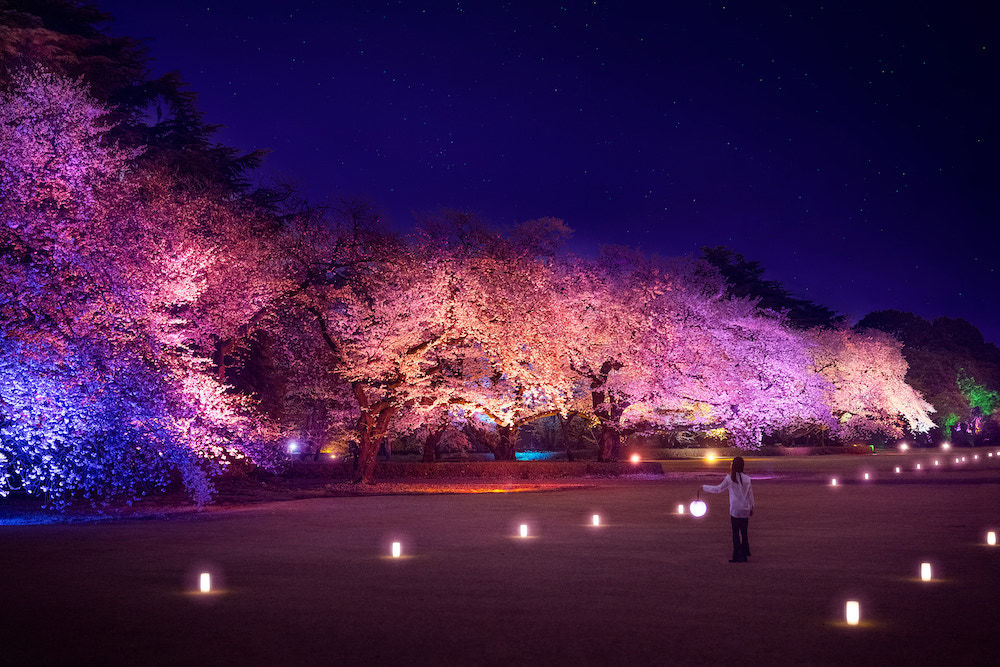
[(717, 488)]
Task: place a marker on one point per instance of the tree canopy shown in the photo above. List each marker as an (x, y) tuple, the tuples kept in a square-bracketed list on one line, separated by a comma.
[(160, 323)]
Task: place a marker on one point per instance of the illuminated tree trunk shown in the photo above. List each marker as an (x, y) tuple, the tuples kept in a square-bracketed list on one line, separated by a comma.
[(430, 445), (607, 411), (607, 448), (564, 423), (372, 427), (506, 439), (367, 454)]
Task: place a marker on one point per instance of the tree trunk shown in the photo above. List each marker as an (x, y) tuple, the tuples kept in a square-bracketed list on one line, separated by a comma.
[(367, 456), (607, 446), (372, 427), (564, 434), (506, 437), (223, 349), (430, 445)]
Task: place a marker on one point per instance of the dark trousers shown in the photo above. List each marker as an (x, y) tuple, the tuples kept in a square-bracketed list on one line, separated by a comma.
[(741, 546)]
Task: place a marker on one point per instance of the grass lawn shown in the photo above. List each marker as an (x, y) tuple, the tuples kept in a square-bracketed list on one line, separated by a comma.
[(310, 581)]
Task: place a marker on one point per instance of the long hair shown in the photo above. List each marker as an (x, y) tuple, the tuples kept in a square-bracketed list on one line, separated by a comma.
[(737, 468)]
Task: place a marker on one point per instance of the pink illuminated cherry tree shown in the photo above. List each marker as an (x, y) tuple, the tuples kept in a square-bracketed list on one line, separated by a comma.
[(126, 300), (107, 390), (868, 393)]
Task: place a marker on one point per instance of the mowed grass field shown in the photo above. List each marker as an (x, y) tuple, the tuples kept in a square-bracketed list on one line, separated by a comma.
[(310, 581)]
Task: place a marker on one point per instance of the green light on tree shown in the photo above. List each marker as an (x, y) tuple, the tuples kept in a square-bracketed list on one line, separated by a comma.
[(949, 421), (979, 397)]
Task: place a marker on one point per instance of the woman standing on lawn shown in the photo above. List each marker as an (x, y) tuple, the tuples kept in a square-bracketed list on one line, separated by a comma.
[(741, 506)]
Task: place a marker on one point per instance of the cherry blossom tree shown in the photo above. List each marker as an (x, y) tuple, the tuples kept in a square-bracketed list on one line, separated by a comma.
[(868, 394), (107, 389), (706, 361)]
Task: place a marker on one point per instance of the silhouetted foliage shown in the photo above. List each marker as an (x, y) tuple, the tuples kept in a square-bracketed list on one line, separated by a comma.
[(70, 39), (745, 278), (949, 361)]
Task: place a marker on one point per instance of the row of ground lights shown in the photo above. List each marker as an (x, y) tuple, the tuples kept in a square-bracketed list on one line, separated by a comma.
[(697, 508), (852, 610), (711, 457), (937, 463)]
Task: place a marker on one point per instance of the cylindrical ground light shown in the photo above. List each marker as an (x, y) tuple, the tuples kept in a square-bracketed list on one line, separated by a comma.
[(852, 612)]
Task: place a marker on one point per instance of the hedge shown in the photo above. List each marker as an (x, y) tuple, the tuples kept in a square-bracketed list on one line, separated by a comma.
[(479, 469)]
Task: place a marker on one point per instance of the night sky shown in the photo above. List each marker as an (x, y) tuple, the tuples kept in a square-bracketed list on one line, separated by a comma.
[(851, 149)]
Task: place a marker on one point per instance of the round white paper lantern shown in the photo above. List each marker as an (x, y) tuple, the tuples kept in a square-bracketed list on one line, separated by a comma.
[(698, 507)]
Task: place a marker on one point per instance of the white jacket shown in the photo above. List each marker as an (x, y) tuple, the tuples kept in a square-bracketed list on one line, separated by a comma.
[(740, 494)]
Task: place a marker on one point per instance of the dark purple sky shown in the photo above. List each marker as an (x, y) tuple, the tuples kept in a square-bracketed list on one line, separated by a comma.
[(851, 148)]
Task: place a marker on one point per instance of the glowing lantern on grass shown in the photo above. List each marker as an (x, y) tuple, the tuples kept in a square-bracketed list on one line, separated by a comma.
[(853, 612), (918, 466), (397, 550), (975, 457), (991, 538), (596, 520), (635, 458), (945, 446), (710, 457), (956, 459), (293, 447), (963, 459), (524, 530), (935, 461), (205, 582), (833, 482), (903, 447), (867, 476), (680, 509), (897, 470), (925, 572)]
